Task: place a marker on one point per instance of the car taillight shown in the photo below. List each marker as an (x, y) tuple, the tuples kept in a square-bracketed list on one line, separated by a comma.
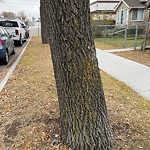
[(17, 32), (1, 42)]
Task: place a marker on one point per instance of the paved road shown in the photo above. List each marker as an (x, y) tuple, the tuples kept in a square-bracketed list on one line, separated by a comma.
[(34, 31), (135, 75), (12, 58)]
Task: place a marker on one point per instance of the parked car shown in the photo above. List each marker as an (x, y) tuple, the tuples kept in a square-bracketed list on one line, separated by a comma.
[(16, 28), (6, 45), (27, 32)]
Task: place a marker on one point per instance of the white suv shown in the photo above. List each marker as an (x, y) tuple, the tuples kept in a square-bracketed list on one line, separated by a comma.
[(15, 28)]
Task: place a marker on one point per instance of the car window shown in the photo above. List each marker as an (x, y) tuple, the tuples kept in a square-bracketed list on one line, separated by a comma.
[(8, 23), (5, 32), (1, 32), (24, 25), (21, 25)]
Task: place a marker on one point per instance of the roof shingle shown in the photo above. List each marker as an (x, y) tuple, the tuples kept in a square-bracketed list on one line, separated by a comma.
[(134, 4)]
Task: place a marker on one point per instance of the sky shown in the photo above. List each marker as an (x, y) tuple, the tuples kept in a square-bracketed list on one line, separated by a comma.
[(30, 7)]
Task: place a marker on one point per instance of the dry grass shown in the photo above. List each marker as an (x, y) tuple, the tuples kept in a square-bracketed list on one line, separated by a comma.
[(29, 108), (142, 57), (129, 115), (104, 46)]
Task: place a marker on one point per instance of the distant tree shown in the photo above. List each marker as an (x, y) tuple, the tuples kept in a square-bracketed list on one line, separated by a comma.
[(106, 18), (147, 29), (33, 19), (102, 18), (21, 15), (44, 31), (83, 112), (9, 14), (27, 22)]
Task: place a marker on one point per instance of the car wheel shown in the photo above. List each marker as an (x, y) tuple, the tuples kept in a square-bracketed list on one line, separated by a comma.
[(20, 41), (13, 52), (6, 59), (25, 39), (27, 36)]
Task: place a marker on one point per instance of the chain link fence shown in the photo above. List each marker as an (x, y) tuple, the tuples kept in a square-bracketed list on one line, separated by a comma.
[(117, 37), (35, 28)]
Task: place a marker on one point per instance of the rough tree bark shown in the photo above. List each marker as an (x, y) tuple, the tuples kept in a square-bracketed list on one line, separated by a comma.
[(83, 112), (44, 33)]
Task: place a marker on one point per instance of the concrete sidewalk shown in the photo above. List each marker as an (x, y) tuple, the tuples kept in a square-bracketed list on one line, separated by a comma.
[(135, 75)]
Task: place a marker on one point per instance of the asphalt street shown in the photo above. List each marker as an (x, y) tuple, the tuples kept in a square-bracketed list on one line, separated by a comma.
[(34, 31), (12, 58)]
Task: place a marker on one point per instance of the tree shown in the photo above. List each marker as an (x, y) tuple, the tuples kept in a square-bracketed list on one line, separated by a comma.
[(83, 113), (21, 15), (33, 19), (102, 18), (147, 30), (44, 33), (8, 14)]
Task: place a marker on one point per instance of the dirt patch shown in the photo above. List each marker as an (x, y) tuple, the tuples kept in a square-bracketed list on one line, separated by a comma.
[(142, 57), (12, 129)]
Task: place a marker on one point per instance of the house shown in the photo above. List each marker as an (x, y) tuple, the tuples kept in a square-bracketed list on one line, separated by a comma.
[(107, 6), (130, 12), (148, 5)]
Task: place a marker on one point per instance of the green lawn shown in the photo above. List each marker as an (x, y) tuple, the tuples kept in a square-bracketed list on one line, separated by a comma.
[(116, 42)]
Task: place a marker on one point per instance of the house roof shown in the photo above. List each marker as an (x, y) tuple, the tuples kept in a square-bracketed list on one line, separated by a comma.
[(102, 5), (105, 1), (134, 3), (148, 4), (131, 4)]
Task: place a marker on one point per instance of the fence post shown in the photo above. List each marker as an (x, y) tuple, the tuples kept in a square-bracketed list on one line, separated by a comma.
[(135, 40), (145, 38), (125, 37), (105, 31), (38, 29)]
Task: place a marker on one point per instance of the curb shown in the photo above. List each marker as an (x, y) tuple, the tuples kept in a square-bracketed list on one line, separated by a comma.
[(5, 79)]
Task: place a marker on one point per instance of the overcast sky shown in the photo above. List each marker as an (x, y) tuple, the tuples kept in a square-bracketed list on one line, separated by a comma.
[(30, 7)]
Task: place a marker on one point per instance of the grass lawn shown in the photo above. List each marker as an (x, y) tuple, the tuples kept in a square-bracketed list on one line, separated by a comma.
[(115, 43), (29, 108), (142, 57)]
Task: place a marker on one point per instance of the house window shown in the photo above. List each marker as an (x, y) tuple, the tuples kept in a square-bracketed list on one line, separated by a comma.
[(137, 14), (122, 16)]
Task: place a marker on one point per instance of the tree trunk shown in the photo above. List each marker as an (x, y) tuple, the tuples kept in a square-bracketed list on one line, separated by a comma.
[(44, 34), (83, 113)]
